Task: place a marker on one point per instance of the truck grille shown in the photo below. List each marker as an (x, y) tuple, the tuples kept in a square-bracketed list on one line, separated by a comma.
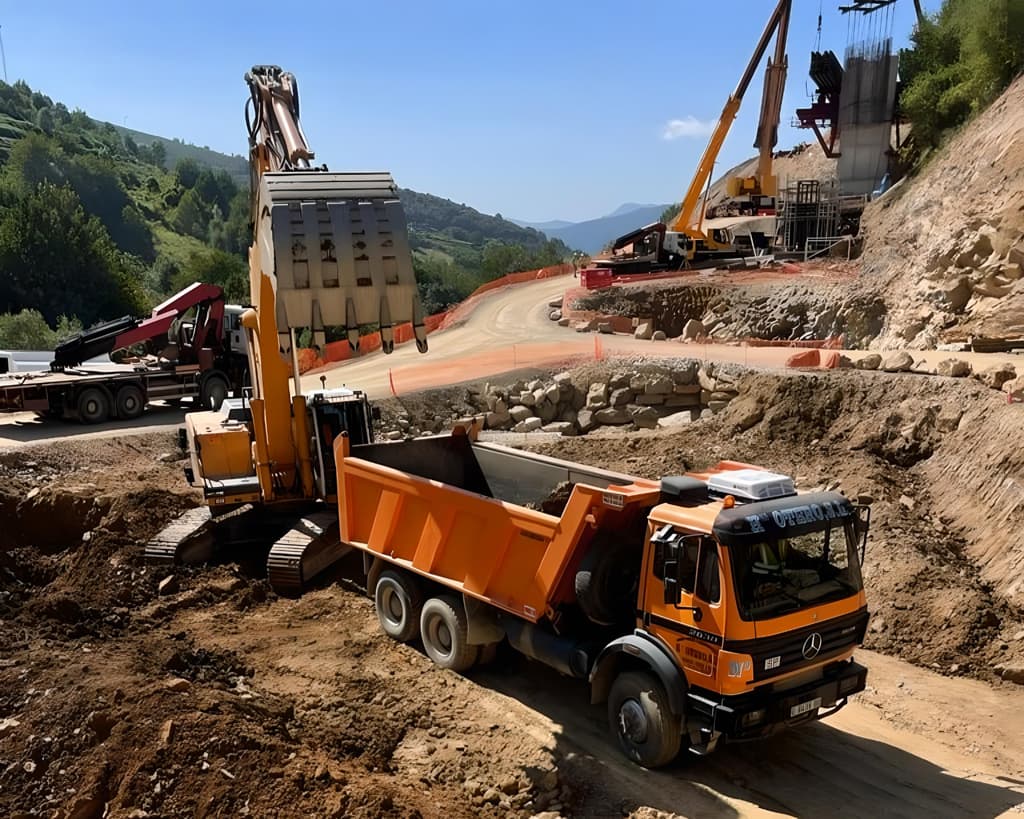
[(794, 650)]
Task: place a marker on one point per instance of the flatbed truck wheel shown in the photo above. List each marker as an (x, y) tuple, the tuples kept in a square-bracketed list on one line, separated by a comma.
[(641, 720), (399, 601), (129, 402), (93, 406), (444, 632), (213, 391)]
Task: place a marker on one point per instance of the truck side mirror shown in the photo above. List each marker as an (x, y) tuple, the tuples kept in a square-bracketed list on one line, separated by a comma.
[(863, 525), (673, 591)]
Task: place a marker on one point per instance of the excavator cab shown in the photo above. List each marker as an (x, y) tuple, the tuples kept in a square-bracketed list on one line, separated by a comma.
[(334, 413)]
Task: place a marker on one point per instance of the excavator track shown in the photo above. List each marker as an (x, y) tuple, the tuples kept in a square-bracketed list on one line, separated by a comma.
[(184, 540), (306, 549)]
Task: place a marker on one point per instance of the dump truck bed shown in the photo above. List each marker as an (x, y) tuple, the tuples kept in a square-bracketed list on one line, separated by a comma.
[(455, 510)]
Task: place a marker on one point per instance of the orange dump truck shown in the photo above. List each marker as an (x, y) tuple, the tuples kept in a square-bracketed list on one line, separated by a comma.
[(698, 607)]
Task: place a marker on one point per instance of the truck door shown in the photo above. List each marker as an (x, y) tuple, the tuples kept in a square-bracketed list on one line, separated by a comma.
[(683, 599)]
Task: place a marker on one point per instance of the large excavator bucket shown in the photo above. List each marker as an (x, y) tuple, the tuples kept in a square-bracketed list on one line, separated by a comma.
[(338, 248)]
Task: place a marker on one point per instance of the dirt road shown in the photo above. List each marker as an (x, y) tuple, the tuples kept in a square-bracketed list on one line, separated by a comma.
[(915, 744), (509, 329)]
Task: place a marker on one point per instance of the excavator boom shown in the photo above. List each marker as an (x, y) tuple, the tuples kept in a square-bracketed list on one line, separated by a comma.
[(329, 249)]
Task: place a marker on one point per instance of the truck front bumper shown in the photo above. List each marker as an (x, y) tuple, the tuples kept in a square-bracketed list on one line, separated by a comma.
[(765, 711)]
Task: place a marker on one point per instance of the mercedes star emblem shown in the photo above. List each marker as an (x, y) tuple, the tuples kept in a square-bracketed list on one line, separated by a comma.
[(812, 645)]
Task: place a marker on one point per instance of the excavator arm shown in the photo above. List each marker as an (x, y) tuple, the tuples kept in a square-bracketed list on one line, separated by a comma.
[(688, 220), (329, 249)]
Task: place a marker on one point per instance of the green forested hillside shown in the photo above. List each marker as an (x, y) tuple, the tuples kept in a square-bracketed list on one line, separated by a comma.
[(456, 248), (95, 224)]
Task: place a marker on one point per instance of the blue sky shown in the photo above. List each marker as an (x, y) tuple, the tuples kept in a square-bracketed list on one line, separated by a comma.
[(537, 110)]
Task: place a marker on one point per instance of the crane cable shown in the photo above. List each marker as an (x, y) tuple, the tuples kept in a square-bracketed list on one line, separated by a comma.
[(817, 46)]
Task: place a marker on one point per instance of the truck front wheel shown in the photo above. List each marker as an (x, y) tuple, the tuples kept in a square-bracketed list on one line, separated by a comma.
[(398, 600), (213, 391), (444, 632), (641, 720)]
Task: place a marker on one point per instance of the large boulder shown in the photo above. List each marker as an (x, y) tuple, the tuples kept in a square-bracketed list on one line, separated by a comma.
[(529, 425), (685, 372), (953, 368), (613, 415), (957, 293), (621, 397), (585, 420), (900, 362), (498, 420), (659, 335), (520, 413), (678, 419), (659, 385), (693, 330), (597, 396), (996, 375), (644, 417), (745, 412), (643, 331), (561, 427), (872, 361)]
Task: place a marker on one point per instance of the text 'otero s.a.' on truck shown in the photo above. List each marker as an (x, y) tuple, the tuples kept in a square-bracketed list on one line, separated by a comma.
[(701, 606)]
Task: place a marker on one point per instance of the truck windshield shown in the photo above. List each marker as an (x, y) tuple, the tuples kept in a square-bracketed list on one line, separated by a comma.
[(778, 576)]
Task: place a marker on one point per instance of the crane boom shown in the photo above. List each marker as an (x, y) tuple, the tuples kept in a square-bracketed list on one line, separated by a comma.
[(767, 128)]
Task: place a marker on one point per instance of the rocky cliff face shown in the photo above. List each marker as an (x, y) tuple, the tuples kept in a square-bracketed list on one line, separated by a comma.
[(945, 248)]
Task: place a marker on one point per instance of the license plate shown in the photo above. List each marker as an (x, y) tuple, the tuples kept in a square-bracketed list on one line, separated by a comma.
[(804, 707)]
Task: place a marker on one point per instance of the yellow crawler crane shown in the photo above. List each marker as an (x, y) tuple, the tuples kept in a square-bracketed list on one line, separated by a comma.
[(329, 250)]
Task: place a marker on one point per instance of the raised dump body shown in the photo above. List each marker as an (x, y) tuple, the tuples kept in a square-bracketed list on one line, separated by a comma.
[(457, 509), (701, 606)]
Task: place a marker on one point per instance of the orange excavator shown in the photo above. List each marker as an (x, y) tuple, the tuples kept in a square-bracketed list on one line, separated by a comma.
[(329, 250), (686, 240)]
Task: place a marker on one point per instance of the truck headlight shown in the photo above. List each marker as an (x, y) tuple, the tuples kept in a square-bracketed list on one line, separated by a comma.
[(752, 717)]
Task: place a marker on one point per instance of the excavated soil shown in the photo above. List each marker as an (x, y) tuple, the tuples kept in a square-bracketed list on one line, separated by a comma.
[(219, 699)]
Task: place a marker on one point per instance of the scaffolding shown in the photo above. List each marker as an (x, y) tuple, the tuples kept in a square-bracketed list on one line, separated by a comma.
[(808, 214)]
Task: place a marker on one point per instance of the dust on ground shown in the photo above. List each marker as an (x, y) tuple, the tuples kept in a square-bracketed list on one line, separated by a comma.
[(219, 699)]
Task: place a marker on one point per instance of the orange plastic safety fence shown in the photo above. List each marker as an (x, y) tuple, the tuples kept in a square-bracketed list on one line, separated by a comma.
[(342, 351)]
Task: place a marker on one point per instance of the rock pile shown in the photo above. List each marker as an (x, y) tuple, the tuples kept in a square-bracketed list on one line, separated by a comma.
[(636, 398), (1002, 377)]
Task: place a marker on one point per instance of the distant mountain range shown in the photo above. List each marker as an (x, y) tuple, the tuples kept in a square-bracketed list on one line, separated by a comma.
[(592, 235)]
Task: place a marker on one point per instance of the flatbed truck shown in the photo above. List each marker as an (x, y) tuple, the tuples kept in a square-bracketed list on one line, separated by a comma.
[(699, 607), (192, 346)]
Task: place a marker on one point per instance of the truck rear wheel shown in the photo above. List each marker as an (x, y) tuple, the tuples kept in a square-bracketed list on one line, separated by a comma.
[(93, 406), (444, 632), (641, 720), (398, 600), (129, 402)]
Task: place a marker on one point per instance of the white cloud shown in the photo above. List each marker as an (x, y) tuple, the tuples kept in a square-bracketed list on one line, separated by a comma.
[(688, 127)]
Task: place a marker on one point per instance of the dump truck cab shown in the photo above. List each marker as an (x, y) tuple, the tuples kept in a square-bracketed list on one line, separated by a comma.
[(750, 606)]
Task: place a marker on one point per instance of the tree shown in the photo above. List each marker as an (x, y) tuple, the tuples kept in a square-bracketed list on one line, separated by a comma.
[(54, 256), (215, 267), (25, 330), (961, 59), (190, 216), (187, 172)]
